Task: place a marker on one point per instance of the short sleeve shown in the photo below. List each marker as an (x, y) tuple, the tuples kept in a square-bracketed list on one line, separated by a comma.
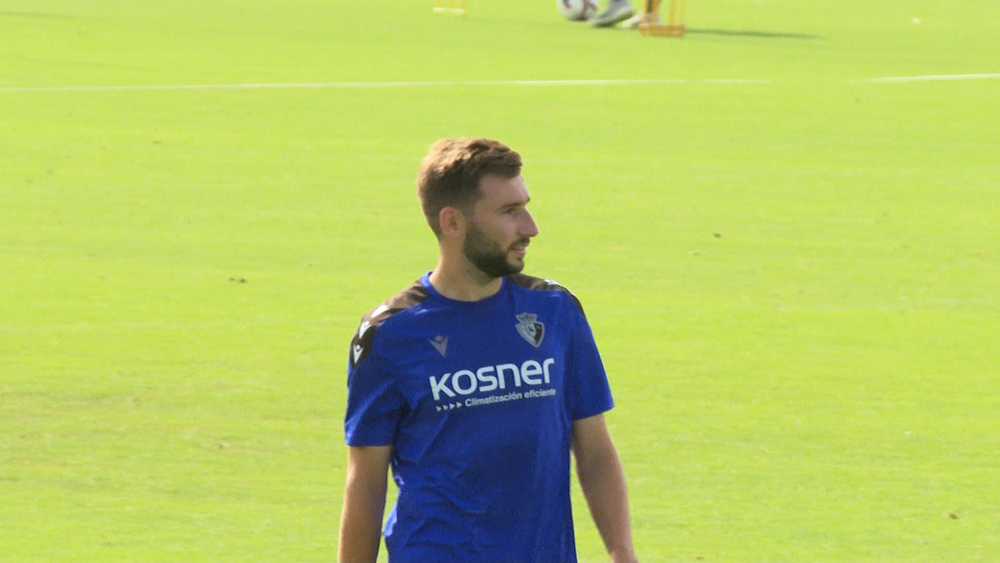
[(589, 393), (374, 404)]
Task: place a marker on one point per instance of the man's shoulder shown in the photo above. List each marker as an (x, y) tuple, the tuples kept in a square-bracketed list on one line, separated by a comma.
[(413, 295), (532, 283), (410, 297)]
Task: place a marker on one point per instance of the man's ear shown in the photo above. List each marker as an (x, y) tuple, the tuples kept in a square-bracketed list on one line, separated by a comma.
[(452, 222)]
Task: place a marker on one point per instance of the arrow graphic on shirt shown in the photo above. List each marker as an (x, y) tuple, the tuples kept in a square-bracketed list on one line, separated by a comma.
[(365, 325)]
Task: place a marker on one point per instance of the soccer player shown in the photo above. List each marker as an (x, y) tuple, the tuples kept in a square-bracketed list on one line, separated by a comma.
[(474, 384)]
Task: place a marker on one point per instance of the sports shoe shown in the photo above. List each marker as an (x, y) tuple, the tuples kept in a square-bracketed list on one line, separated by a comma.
[(634, 21), (616, 11)]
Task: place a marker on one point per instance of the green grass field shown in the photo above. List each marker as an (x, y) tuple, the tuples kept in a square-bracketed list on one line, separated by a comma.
[(791, 263)]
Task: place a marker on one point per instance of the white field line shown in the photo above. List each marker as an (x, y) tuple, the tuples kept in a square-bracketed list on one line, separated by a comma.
[(472, 83), (364, 85), (932, 78)]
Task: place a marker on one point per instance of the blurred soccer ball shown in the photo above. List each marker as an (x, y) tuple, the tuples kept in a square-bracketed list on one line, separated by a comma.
[(577, 10)]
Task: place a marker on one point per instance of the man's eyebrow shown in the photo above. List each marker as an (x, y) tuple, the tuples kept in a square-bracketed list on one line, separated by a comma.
[(518, 203)]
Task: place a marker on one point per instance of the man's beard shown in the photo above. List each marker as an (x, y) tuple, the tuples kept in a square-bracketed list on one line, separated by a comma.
[(486, 254)]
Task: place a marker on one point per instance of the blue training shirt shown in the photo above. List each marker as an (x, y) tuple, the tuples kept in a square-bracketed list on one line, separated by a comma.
[(478, 399)]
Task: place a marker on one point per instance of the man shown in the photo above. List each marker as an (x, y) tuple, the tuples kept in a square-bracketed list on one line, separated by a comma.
[(614, 12), (474, 384)]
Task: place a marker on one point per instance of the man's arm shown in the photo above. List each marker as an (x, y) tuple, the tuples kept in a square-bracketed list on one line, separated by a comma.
[(602, 479), (364, 504)]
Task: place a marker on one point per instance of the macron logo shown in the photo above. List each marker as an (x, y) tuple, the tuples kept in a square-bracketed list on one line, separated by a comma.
[(440, 343), (358, 350)]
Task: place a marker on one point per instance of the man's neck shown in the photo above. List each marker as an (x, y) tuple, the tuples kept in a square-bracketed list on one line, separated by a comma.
[(463, 284)]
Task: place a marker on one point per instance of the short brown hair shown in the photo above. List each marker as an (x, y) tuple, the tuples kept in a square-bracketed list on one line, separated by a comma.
[(450, 174)]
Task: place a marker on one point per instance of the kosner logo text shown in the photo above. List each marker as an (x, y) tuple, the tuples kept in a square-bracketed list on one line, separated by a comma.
[(490, 378)]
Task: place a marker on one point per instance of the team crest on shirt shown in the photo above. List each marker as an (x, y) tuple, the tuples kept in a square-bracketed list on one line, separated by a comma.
[(530, 329)]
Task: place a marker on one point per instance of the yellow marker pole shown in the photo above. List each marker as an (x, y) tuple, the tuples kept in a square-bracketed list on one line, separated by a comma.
[(651, 24)]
